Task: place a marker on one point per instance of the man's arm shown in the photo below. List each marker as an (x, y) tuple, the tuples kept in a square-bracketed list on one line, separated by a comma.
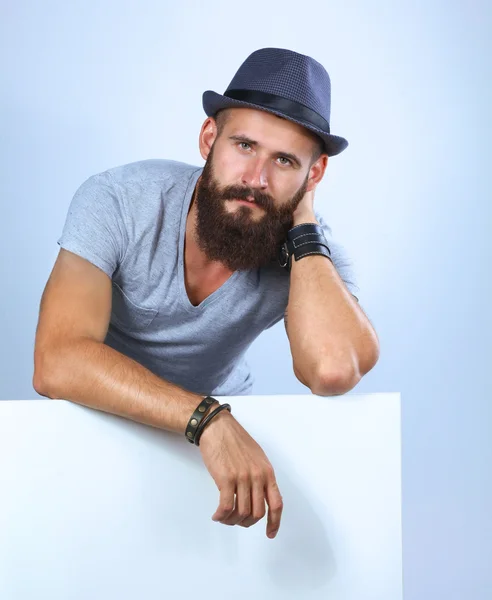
[(72, 362), (332, 342)]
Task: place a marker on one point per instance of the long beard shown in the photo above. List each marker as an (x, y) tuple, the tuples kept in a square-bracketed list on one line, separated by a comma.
[(236, 239)]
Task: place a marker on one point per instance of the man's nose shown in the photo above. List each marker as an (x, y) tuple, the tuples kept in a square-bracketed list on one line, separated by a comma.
[(255, 175)]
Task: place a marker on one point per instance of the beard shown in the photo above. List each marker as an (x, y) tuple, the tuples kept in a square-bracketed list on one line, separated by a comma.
[(236, 239)]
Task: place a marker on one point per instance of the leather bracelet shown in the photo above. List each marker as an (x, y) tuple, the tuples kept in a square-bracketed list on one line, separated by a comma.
[(303, 240), (312, 248), (197, 417), (302, 228), (207, 420)]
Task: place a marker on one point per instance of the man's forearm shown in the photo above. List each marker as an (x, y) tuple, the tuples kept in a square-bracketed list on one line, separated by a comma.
[(91, 373), (332, 342)]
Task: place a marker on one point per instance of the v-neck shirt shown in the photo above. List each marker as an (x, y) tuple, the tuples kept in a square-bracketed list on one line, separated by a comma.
[(130, 221)]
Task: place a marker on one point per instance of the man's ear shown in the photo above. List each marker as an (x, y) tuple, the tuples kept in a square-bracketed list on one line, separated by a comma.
[(208, 135), (317, 171)]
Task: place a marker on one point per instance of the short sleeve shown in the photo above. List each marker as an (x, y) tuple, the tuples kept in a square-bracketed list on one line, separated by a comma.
[(95, 224), (340, 258)]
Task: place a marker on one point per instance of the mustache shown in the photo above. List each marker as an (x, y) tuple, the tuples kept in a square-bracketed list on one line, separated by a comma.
[(239, 193)]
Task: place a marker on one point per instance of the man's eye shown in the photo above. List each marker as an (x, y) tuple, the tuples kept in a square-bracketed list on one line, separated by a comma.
[(244, 144), (288, 162)]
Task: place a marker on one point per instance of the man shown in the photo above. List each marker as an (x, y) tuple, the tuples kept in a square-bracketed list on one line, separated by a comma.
[(167, 273)]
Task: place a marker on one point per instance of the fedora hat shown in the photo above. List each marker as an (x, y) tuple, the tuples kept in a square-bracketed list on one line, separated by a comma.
[(287, 84)]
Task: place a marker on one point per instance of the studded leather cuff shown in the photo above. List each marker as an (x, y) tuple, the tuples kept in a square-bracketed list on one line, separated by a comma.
[(197, 417)]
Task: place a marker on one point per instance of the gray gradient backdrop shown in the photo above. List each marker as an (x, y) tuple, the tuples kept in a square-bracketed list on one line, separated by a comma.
[(89, 85)]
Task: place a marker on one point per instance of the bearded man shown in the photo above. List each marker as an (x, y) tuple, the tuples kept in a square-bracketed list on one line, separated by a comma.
[(167, 272)]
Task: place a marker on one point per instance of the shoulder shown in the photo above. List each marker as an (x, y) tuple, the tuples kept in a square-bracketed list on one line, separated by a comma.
[(151, 170), (146, 187)]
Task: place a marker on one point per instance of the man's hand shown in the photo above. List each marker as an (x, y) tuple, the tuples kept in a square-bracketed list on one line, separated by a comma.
[(304, 213), (239, 466)]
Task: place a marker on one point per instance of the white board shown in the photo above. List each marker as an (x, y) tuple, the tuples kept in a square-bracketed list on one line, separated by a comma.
[(93, 506)]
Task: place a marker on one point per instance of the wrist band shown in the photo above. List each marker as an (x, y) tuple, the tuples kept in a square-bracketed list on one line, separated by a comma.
[(207, 420), (303, 240), (197, 417)]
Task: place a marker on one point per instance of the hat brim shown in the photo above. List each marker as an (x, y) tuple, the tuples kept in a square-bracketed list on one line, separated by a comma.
[(213, 102)]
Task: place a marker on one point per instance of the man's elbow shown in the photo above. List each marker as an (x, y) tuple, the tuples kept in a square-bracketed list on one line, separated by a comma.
[(331, 384), (335, 383), (42, 386), (43, 379), (44, 389)]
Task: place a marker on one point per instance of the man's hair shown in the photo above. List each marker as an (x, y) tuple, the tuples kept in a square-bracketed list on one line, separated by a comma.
[(221, 119), (224, 114)]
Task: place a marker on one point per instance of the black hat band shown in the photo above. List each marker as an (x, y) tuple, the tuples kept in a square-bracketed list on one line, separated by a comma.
[(283, 105)]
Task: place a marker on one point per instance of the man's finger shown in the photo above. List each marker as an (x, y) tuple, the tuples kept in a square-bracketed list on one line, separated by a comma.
[(243, 503), (275, 507), (226, 501), (258, 503)]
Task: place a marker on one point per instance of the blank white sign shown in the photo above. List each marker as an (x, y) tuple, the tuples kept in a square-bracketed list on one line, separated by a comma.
[(93, 506)]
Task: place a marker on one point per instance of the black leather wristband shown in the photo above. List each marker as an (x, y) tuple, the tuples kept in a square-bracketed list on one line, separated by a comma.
[(311, 248), (304, 228), (207, 420), (197, 417), (303, 240)]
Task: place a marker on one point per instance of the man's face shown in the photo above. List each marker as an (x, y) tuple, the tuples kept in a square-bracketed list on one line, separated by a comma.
[(240, 234)]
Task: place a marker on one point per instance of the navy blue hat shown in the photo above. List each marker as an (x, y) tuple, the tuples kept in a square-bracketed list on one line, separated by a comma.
[(284, 83)]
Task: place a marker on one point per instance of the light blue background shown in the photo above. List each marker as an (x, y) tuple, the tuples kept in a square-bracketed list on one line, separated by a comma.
[(91, 85)]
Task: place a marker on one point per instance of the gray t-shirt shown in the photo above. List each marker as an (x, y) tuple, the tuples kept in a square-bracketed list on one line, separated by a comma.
[(130, 222)]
